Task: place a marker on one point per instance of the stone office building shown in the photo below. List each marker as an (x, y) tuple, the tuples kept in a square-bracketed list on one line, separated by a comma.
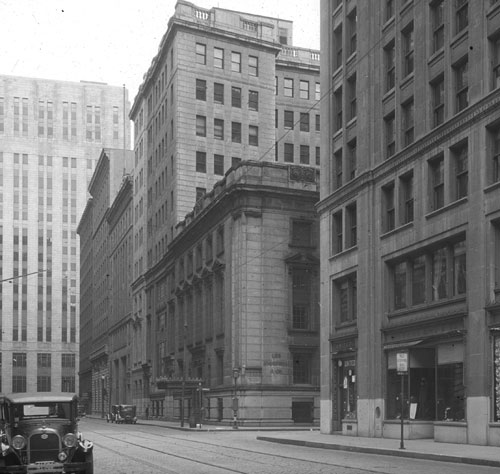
[(410, 212)]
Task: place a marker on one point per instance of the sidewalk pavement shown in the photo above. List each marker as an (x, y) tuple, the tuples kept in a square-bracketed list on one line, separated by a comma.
[(312, 438)]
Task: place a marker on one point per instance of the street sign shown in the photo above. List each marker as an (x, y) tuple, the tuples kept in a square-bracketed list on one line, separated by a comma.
[(402, 363)]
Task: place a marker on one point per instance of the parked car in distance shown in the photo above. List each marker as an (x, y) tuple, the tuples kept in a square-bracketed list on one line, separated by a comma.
[(39, 433), (126, 414)]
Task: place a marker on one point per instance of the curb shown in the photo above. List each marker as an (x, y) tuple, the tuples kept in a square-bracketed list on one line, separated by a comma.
[(386, 452)]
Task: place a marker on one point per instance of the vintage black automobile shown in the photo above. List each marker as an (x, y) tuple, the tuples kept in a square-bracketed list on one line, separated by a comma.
[(39, 433), (126, 414)]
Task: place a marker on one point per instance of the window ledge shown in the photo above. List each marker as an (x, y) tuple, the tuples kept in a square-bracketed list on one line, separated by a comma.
[(494, 424), (406, 80), (447, 207), (459, 37), (396, 230), (344, 252), (346, 324), (390, 22), (492, 187), (450, 423), (436, 56), (426, 306), (493, 9)]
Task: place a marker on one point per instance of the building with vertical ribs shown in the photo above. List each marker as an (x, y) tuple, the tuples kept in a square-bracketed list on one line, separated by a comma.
[(51, 136)]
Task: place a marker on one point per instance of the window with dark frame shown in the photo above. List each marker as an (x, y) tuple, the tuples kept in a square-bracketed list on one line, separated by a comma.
[(338, 38), (390, 66), (495, 60), (289, 120), (201, 89), (219, 165), (338, 169), (219, 58), (351, 225), (460, 158), (253, 135), (288, 87), (219, 129), (438, 101), (390, 135), (351, 83), (406, 198), (389, 217), (352, 159), (304, 89), (201, 126), (461, 15), (218, 93), (253, 66), (304, 121), (201, 162), (304, 154), (236, 97), (437, 19), (345, 298), (235, 61), (288, 158), (436, 170), (461, 85), (236, 132), (337, 233), (408, 48), (201, 53), (352, 20), (338, 108), (408, 122), (253, 100)]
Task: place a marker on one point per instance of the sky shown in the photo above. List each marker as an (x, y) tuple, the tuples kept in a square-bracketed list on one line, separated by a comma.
[(113, 41)]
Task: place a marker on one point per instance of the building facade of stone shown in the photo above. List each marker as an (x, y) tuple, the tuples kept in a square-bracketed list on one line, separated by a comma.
[(220, 90), (232, 306), (409, 212), (51, 134)]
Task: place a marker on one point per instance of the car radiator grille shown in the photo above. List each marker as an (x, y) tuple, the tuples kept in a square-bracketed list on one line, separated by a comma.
[(43, 449)]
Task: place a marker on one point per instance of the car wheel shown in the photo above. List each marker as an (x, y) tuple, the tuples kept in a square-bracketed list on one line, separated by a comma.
[(89, 458)]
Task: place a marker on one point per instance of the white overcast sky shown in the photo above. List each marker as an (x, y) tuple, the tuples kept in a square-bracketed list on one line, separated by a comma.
[(113, 41)]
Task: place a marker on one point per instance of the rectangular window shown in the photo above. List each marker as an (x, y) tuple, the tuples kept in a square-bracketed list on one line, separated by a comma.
[(351, 83), (301, 369), (459, 269), (436, 170), (390, 136), (201, 126), (219, 165), (437, 19), (390, 66), (389, 217), (352, 25), (338, 42), (338, 99), (201, 53), (201, 162), (219, 129), (304, 89), (352, 159), (201, 89), (236, 132), (495, 62), (219, 58), (461, 15), (236, 97), (418, 280), (304, 122), (439, 275), (288, 153), (408, 48), (389, 9), (317, 91), (304, 154), (460, 158), (408, 123), (288, 87), (253, 135), (351, 225), (253, 66), (301, 298), (289, 119), (345, 298), (400, 285), (235, 61), (218, 93), (253, 100), (338, 168), (337, 233), (438, 101), (318, 155), (318, 123), (406, 198), (461, 86), (494, 152)]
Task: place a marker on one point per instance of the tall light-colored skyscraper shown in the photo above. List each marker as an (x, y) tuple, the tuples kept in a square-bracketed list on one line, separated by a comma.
[(51, 136)]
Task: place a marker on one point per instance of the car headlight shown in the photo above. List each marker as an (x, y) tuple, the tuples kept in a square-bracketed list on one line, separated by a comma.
[(18, 442), (70, 440)]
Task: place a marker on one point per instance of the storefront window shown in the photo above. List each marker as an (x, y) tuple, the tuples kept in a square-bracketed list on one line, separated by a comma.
[(433, 388), (496, 361)]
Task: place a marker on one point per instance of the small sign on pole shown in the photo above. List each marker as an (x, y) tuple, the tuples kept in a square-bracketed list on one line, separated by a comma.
[(402, 368)]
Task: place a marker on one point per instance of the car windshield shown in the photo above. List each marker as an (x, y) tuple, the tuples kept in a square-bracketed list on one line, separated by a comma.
[(43, 410), (128, 410)]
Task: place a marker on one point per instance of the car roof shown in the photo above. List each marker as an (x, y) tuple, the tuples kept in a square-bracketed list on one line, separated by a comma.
[(38, 398)]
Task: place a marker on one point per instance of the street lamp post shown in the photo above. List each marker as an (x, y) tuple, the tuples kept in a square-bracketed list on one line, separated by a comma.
[(236, 374), (103, 378), (183, 389)]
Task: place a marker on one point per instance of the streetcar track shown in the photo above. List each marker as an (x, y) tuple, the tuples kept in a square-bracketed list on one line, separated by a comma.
[(177, 456), (148, 435)]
